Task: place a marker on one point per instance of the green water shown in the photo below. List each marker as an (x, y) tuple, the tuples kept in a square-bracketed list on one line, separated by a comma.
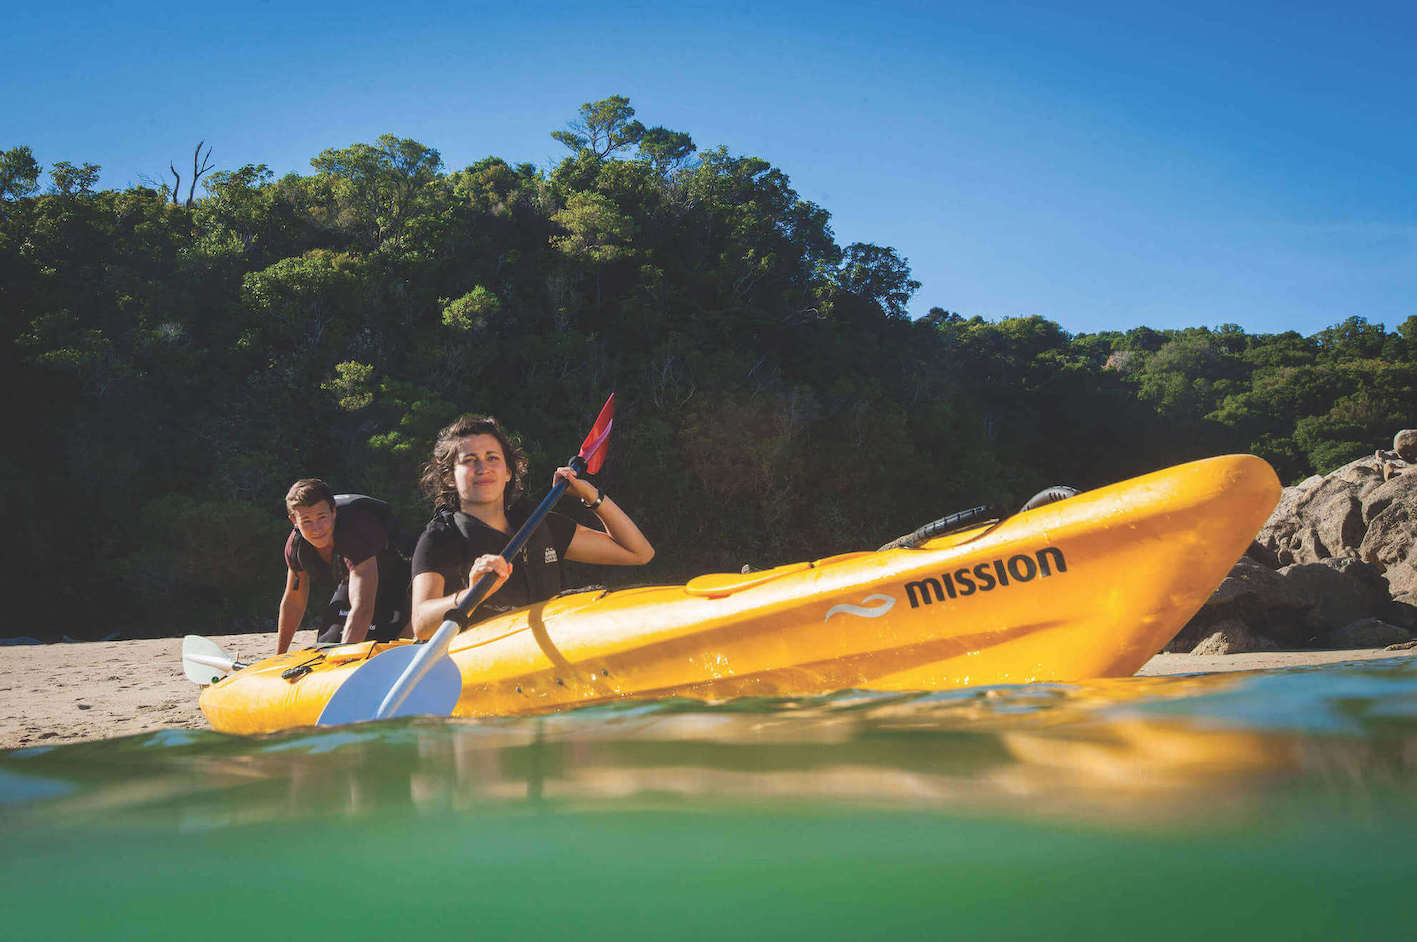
[(1275, 805)]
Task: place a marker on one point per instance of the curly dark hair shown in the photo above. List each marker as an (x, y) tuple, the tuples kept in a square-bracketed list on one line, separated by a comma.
[(437, 477)]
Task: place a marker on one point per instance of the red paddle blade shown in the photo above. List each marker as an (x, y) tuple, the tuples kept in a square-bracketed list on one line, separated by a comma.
[(593, 448)]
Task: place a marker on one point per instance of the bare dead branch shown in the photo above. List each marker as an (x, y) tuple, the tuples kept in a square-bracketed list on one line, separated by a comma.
[(197, 171)]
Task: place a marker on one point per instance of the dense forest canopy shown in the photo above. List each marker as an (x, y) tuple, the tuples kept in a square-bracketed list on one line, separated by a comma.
[(177, 356)]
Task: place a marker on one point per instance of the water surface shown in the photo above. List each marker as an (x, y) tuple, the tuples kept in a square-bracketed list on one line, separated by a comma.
[(1277, 804)]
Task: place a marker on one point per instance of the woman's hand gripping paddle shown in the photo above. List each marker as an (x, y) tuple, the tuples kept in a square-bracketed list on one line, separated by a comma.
[(421, 680)]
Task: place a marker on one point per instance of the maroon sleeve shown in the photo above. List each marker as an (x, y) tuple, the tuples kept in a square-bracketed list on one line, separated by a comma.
[(359, 534), (292, 556)]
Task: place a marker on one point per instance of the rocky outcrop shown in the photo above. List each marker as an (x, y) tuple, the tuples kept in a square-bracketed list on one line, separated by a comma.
[(1322, 516), (1369, 633), (1254, 596), (1335, 592), (1233, 636), (1334, 566), (1405, 444)]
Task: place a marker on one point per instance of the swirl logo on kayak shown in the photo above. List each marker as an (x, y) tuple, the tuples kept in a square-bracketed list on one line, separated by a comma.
[(884, 603)]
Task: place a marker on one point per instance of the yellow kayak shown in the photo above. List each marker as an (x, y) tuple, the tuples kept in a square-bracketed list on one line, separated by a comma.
[(1091, 586)]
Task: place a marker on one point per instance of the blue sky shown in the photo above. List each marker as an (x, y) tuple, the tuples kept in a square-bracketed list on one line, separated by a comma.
[(1102, 165)]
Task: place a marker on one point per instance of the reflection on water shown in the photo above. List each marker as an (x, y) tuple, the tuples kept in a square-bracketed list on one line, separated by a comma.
[(1145, 747), (1306, 775)]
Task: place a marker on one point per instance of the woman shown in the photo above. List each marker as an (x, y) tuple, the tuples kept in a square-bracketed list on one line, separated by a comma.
[(475, 474)]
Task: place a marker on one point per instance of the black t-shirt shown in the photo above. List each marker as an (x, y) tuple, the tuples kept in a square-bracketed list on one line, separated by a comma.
[(359, 534), (536, 570)]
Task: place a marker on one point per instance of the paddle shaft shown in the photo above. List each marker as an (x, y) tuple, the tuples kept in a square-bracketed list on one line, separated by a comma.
[(460, 616), (225, 664)]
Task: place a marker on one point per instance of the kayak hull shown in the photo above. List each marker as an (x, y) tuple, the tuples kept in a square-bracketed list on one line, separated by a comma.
[(1092, 586)]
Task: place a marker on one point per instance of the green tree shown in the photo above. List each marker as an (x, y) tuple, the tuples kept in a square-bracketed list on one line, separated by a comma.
[(665, 149), (603, 128), (351, 385), (470, 312), (70, 180), (877, 274), (596, 231), (1353, 338), (237, 212), (1407, 330), (377, 188), (19, 173)]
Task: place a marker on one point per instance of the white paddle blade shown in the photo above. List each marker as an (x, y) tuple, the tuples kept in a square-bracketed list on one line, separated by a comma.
[(203, 661), (359, 697), (434, 651)]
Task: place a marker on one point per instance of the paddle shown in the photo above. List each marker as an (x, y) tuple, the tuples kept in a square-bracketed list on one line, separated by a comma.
[(421, 679), (204, 661)]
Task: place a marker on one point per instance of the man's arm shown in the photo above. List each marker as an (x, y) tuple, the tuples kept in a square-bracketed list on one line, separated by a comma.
[(292, 608), (363, 589)]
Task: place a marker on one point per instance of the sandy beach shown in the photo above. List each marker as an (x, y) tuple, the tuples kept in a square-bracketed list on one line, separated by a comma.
[(61, 693)]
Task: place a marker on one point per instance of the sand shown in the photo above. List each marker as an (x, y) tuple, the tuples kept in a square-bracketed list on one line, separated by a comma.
[(57, 693), (61, 693)]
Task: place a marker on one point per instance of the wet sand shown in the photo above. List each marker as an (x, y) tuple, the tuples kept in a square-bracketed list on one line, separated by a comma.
[(60, 693)]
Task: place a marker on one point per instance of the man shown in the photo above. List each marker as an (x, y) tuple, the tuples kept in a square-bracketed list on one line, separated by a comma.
[(349, 541)]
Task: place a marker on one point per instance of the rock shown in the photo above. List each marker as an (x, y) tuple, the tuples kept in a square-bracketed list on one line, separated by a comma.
[(1337, 521), (1315, 523), (1405, 444), (1233, 636), (1252, 587), (1401, 488), (1263, 555), (1326, 516), (1391, 535), (1257, 596), (1368, 633), (1363, 473), (1402, 610), (1307, 546), (1191, 633), (1185, 641), (1339, 548), (1250, 592), (1338, 591), (1279, 530), (1402, 577)]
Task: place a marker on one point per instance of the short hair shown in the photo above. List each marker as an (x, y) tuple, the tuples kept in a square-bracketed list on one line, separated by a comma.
[(437, 477), (307, 492)]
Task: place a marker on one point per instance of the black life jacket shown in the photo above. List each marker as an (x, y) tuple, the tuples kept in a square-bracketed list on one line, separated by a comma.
[(536, 567), (400, 540)]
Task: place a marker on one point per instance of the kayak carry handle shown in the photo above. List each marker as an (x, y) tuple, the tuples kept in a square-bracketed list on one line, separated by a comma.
[(947, 524)]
